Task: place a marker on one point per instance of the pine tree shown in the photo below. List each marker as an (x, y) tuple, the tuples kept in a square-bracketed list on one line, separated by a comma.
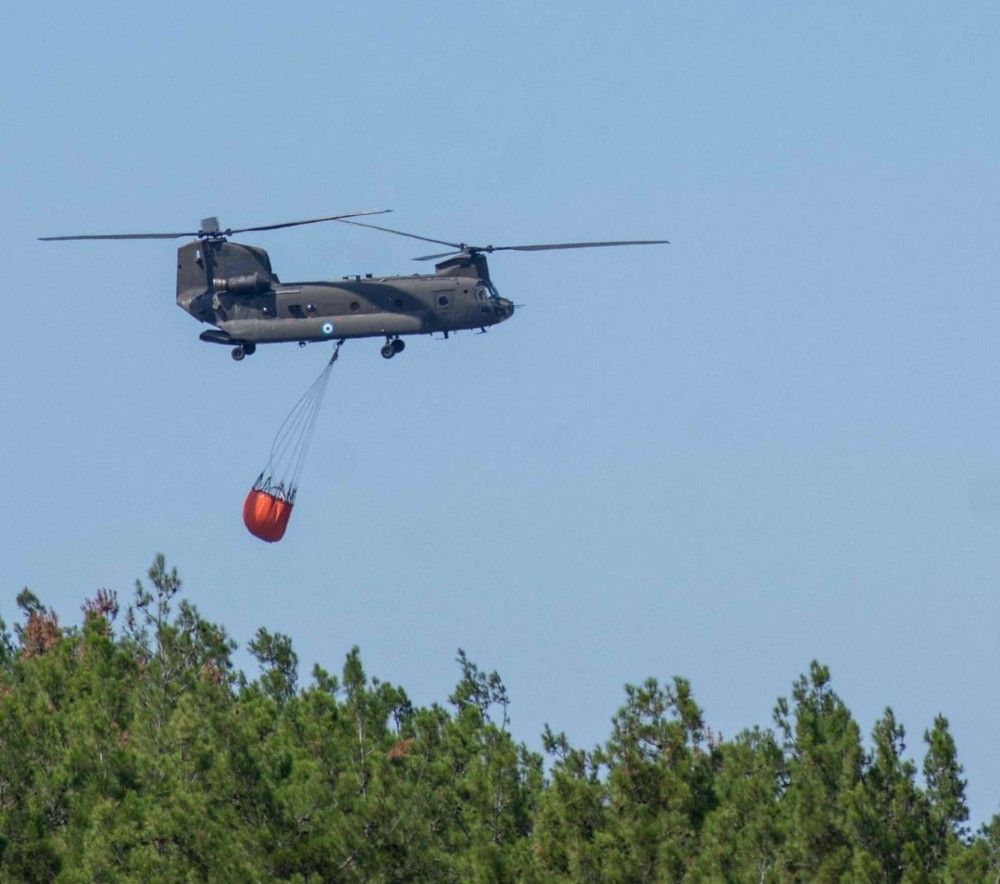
[(742, 839), (137, 750), (825, 758)]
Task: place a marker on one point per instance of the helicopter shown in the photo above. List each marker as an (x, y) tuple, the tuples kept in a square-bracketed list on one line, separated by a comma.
[(232, 287)]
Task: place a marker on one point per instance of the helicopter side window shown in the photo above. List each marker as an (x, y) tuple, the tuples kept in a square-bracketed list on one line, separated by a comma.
[(296, 311)]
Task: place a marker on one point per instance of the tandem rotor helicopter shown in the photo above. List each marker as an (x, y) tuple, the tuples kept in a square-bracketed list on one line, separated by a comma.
[(232, 287)]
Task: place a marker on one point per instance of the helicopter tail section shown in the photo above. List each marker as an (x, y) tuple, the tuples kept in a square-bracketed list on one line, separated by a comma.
[(212, 268), (194, 280)]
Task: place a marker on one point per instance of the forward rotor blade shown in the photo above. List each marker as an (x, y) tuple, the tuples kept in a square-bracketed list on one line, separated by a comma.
[(441, 255), (461, 248), (309, 221), (541, 247), (122, 236), (577, 245), (440, 242)]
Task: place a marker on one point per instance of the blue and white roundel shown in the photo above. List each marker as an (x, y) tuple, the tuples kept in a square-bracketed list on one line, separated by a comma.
[(327, 328)]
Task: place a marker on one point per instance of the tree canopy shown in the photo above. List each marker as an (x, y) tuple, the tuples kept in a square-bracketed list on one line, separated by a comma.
[(132, 748)]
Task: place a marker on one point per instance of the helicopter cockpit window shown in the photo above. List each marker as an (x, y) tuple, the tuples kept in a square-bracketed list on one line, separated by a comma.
[(486, 291)]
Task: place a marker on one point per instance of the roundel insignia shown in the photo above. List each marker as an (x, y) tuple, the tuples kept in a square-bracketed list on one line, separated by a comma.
[(327, 328)]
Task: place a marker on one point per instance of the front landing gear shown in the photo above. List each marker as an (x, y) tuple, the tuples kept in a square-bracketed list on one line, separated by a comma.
[(391, 347), (241, 350)]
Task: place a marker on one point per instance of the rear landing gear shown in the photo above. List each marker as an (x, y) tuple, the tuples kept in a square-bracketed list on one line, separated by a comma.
[(241, 350), (391, 347)]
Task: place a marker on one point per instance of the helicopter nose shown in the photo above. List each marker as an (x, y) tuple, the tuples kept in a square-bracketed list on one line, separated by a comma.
[(507, 307)]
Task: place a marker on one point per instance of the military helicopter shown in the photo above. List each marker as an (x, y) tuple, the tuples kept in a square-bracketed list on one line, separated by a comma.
[(232, 287)]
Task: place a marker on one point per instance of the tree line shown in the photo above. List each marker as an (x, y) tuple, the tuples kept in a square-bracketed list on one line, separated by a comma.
[(132, 748)]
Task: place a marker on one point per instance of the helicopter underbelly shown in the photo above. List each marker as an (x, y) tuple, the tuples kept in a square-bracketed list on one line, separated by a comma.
[(319, 328)]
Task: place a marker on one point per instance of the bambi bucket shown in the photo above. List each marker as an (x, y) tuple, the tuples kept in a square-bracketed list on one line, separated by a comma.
[(265, 515)]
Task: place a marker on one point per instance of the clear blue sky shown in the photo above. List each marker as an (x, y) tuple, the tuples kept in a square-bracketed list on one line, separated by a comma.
[(772, 441)]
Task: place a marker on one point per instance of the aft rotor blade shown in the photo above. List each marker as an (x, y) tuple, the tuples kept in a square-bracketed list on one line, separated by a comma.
[(309, 221), (215, 231), (123, 236), (441, 242), (576, 245)]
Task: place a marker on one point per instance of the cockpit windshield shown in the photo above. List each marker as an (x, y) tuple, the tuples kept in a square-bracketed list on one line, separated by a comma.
[(486, 291)]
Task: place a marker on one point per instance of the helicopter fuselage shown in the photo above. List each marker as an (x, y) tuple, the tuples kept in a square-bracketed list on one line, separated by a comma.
[(232, 287), (358, 308)]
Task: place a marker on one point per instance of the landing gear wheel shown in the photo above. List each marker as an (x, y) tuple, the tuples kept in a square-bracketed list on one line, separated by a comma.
[(249, 349), (398, 344), (387, 351), (238, 352)]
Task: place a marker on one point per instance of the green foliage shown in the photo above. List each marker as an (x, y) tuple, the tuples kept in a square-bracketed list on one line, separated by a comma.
[(280, 663), (743, 838), (138, 751)]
